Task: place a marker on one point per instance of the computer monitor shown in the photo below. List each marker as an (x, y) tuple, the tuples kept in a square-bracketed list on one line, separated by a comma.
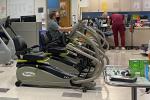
[(143, 17), (15, 19), (31, 18)]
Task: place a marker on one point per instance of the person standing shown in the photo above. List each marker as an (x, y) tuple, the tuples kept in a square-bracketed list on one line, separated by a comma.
[(118, 26)]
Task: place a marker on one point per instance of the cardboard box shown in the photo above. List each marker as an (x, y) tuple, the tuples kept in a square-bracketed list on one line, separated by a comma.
[(137, 67)]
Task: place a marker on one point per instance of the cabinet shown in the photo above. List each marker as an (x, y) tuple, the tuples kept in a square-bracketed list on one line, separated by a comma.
[(28, 30)]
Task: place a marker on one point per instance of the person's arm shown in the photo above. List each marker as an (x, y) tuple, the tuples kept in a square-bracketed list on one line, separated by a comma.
[(65, 29), (54, 26)]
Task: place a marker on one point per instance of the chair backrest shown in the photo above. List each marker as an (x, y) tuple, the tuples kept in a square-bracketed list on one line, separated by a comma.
[(19, 43), (97, 23), (43, 39)]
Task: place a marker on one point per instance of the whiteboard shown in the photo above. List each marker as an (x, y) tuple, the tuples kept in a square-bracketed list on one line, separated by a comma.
[(17, 8), (3, 8)]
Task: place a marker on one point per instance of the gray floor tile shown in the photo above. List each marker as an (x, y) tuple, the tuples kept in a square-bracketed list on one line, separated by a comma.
[(5, 98), (4, 90), (1, 71), (75, 95)]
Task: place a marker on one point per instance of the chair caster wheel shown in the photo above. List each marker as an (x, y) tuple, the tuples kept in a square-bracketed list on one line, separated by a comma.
[(84, 90), (18, 84)]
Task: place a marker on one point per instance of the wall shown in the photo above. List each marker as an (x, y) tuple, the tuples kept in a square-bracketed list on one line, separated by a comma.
[(2, 8), (92, 7), (117, 5), (41, 17), (75, 11)]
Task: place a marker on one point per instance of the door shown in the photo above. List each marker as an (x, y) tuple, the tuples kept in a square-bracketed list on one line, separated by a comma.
[(65, 13)]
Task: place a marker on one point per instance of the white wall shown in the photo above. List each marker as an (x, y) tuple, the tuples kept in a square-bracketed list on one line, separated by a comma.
[(41, 17), (94, 6), (38, 4), (75, 10), (2, 8), (118, 5)]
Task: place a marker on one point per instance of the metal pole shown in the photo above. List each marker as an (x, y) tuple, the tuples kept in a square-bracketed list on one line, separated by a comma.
[(131, 40), (134, 93)]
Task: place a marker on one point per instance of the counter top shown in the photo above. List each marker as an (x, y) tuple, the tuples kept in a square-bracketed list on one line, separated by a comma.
[(139, 27)]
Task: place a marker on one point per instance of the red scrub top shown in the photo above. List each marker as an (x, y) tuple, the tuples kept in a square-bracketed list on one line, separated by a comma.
[(117, 19)]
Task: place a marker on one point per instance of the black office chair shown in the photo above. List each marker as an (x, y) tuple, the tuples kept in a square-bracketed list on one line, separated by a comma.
[(51, 46)]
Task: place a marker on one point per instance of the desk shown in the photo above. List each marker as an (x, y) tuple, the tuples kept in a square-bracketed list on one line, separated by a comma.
[(140, 83)]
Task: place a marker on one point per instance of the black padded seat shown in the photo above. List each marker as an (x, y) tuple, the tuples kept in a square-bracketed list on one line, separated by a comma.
[(35, 56)]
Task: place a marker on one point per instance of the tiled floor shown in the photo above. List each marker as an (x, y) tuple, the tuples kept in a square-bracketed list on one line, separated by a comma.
[(8, 78)]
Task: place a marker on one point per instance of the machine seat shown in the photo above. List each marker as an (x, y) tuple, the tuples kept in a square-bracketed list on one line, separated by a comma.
[(35, 56)]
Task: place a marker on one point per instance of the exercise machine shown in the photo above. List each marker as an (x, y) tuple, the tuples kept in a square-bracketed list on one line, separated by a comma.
[(81, 63), (73, 66), (7, 48), (34, 70)]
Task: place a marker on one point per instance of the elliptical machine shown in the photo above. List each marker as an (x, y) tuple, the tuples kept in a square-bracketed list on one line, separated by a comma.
[(33, 69), (76, 66), (7, 48)]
